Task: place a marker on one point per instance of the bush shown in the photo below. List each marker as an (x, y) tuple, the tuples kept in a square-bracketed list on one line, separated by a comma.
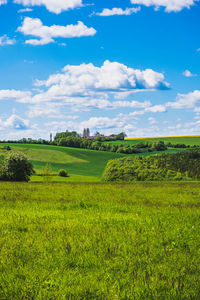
[(16, 167), (63, 173)]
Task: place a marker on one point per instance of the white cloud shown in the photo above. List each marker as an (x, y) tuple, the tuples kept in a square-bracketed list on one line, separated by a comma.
[(50, 110), (111, 77), (15, 94), (103, 124), (14, 122), (86, 87), (170, 5), (189, 100), (150, 109), (46, 34), (55, 6), (156, 109), (118, 11), (187, 73), (5, 40), (24, 10), (131, 104)]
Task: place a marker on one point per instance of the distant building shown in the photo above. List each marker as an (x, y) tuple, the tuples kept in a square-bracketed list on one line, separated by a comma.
[(86, 132), (51, 137)]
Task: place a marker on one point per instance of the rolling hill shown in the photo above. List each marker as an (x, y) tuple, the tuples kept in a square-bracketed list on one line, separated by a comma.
[(83, 162)]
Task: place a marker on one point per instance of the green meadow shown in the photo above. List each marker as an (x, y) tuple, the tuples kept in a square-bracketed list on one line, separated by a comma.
[(100, 241), (81, 164), (76, 161), (190, 140)]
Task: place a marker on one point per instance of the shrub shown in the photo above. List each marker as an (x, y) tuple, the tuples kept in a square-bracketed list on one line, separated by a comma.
[(63, 173), (16, 167)]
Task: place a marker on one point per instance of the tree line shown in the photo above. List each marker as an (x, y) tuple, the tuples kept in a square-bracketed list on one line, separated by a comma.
[(98, 142)]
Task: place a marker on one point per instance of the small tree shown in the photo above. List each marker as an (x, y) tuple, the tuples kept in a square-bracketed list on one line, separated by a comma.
[(63, 173), (16, 167)]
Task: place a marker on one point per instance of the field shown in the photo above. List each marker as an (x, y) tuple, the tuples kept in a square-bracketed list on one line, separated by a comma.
[(81, 164), (75, 161), (100, 241), (187, 140)]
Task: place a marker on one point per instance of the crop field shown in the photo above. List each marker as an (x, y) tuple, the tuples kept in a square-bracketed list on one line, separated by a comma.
[(187, 140), (100, 241)]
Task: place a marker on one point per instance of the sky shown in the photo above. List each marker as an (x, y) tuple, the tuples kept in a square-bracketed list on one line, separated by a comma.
[(111, 66)]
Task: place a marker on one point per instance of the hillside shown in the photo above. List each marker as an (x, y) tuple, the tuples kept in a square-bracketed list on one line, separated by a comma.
[(75, 161)]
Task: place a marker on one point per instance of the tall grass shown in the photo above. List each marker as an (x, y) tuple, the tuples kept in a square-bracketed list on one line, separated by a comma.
[(100, 241)]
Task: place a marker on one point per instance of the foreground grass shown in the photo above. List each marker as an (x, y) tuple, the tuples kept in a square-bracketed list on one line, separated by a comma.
[(100, 241)]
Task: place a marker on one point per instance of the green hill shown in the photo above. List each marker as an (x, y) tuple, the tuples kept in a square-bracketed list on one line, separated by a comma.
[(187, 140), (81, 162), (75, 161)]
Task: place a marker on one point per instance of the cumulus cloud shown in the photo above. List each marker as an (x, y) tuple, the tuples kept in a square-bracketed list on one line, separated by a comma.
[(118, 11), (86, 87), (110, 77), (46, 34), (14, 122), (5, 40), (187, 73), (55, 6), (169, 5), (189, 100)]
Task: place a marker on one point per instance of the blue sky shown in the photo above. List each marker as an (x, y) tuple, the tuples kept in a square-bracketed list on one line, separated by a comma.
[(112, 66)]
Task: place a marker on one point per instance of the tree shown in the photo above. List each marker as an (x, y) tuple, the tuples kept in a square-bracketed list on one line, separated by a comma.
[(16, 167), (63, 173), (121, 136)]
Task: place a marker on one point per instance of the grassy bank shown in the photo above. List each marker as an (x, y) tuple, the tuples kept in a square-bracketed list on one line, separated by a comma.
[(100, 241)]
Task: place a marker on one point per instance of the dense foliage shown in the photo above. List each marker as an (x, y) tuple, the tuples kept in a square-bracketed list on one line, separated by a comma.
[(100, 145), (16, 167), (179, 166)]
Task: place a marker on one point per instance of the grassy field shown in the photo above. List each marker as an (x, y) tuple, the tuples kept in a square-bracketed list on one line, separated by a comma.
[(75, 161), (100, 241), (191, 140), (79, 162)]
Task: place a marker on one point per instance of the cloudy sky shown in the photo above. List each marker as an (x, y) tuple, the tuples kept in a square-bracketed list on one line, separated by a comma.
[(112, 66)]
